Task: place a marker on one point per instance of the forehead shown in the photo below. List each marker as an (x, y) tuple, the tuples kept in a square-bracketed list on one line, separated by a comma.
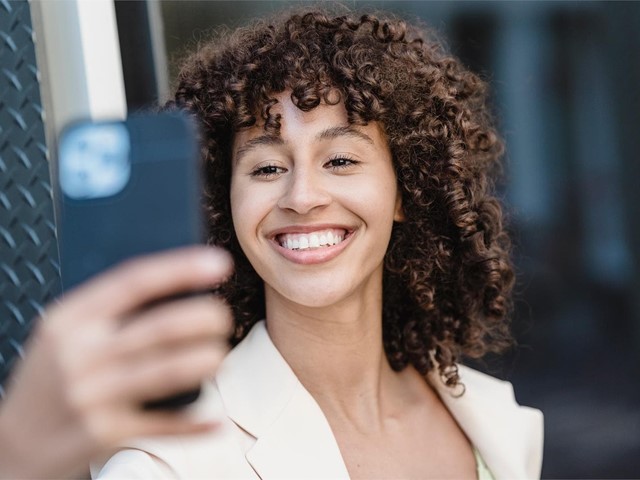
[(323, 122)]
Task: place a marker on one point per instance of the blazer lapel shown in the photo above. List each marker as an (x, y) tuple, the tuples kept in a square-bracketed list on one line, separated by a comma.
[(263, 397), (507, 435), (298, 444)]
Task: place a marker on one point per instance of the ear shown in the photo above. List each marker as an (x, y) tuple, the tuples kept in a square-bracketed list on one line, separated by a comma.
[(398, 215)]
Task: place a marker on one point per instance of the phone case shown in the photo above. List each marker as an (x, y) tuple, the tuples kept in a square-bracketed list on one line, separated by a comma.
[(126, 189)]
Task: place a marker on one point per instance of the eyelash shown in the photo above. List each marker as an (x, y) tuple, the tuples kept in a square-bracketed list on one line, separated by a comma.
[(266, 171), (347, 162)]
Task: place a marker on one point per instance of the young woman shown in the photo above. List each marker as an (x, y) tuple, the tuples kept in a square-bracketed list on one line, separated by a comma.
[(349, 165)]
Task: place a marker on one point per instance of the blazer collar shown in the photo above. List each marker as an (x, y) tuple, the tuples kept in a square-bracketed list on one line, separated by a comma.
[(263, 396)]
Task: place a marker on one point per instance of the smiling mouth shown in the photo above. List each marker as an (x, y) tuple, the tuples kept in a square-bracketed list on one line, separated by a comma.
[(313, 240)]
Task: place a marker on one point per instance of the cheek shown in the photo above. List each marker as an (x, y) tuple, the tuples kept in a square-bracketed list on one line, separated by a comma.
[(376, 198), (240, 211), (250, 205)]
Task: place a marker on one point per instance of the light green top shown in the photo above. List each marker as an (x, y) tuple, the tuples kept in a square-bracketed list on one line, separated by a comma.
[(482, 470)]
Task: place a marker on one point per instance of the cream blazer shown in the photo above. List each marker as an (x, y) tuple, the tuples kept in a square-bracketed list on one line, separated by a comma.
[(272, 428)]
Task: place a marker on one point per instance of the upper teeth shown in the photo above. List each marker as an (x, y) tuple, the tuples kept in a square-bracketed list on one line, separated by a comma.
[(302, 241)]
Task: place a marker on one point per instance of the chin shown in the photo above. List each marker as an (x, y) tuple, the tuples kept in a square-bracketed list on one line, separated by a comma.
[(315, 296)]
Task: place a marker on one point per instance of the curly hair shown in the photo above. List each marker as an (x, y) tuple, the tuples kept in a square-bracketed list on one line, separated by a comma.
[(447, 272)]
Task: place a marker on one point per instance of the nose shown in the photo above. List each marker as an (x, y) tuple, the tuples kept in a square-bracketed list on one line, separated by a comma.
[(304, 191)]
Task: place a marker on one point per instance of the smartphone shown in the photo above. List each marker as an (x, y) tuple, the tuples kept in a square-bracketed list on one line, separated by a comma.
[(127, 188)]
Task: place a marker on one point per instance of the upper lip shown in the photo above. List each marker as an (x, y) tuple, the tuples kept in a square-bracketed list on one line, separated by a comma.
[(308, 229)]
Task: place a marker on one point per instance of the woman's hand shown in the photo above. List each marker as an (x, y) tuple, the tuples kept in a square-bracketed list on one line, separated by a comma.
[(96, 357)]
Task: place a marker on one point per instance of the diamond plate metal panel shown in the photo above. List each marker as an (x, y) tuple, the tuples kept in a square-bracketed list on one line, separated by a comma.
[(29, 272)]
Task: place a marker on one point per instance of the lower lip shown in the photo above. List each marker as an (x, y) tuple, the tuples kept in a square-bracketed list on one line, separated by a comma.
[(312, 256)]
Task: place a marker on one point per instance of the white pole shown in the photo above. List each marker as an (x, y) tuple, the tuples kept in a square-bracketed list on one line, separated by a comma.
[(79, 57)]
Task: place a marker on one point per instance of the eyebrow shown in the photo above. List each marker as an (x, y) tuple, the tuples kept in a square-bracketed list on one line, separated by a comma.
[(327, 134), (262, 140), (343, 131)]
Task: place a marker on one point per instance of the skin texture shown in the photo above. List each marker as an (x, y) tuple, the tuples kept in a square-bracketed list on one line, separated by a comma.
[(324, 305), (95, 357)]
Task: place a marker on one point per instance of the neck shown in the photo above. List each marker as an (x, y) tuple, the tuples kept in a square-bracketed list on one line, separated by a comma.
[(336, 352)]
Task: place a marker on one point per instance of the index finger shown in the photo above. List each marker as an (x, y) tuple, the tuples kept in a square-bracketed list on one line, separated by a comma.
[(138, 281)]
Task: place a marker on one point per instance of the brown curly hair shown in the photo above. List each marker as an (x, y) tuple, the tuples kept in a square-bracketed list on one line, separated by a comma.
[(447, 272)]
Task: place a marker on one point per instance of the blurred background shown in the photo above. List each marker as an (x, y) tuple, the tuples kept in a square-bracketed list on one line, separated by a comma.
[(565, 82)]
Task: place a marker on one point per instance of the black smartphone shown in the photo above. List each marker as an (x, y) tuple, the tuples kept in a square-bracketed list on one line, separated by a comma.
[(127, 188)]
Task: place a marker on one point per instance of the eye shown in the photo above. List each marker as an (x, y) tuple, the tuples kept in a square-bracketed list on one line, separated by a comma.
[(340, 162), (267, 171)]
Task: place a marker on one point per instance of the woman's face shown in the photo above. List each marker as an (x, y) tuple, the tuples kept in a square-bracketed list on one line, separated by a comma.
[(313, 208)]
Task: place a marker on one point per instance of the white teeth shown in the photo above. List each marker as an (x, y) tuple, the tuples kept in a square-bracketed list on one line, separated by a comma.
[(300, 241)]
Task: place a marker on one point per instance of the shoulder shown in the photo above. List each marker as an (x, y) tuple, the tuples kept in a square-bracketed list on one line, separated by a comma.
[(509, 436), (219, 453), (482, 383), (132, 463)]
